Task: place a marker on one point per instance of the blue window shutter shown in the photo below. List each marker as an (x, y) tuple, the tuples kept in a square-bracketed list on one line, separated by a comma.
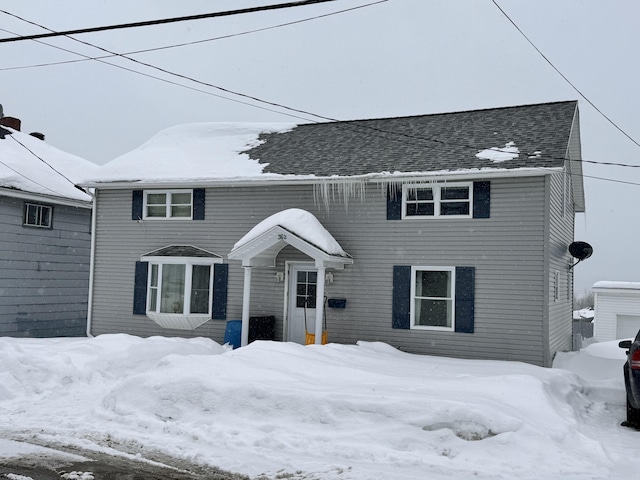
[(401, 306), (140, 288), (198, 203), (481, 199), (220, 276), (394, 202), (136, 205), (465, 293)]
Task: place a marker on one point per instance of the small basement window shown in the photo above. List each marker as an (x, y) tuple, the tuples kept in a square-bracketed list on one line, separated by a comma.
[(168, 204), (437, 200), (36, 215)]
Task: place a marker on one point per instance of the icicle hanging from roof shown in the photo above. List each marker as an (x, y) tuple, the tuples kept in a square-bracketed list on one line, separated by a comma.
[(329, 191)]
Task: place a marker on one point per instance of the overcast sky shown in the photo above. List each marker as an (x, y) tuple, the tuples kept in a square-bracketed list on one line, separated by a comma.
[(399, 57)]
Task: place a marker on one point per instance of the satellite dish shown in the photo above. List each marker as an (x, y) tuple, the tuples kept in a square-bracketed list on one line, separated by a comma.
[(580, 250)]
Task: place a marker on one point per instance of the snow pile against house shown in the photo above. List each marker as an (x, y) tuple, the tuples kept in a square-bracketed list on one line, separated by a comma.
[(33, 166), (335, 412)]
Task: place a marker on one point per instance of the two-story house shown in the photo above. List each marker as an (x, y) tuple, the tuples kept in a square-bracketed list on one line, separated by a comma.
[(439, 234), (45, 236)]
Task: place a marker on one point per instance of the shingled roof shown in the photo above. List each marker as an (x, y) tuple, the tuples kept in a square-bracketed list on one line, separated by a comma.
[(424, 143)]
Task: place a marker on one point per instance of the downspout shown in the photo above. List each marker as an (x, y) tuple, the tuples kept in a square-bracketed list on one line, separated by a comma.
[(92, 261)]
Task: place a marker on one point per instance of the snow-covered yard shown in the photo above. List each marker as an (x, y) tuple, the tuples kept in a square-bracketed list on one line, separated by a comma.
[(282, 410)]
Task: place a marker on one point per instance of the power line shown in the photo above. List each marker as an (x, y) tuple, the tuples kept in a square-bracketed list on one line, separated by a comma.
[(166, 47), (563, 76), (46, 163), (162, 21), (298, 111), (137, 72)]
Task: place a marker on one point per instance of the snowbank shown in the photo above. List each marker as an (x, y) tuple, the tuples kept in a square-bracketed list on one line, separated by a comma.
[(356, 412)]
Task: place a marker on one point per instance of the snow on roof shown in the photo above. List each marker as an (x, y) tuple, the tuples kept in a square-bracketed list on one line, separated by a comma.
[(498, 155), (192, 152), (303, 224), (585, 313), (618, 285), (33, 166)]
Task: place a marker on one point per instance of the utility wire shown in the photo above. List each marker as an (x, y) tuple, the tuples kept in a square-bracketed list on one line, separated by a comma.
[(195, 42), (46, 163), (227, 13), (563, 76), (137, 72), (30, 179), (278, 105), (378, 130)]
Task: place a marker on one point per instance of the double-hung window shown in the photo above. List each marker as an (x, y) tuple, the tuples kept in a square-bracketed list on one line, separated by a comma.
[(36, 215), (437, 200), (433, 295), (168, 204)]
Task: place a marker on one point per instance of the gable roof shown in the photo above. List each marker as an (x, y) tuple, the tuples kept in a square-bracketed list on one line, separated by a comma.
[(30, 166), (425, 144)]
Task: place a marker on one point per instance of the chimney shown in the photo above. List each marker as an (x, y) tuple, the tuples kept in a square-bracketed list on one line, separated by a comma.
[(11, 122), (37, 135)]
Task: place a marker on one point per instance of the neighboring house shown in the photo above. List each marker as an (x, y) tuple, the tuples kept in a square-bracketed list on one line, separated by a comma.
[(438, 234), (617, 310), (45, 237)]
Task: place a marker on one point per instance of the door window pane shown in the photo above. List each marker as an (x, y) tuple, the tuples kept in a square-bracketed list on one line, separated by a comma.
[(306, 289)]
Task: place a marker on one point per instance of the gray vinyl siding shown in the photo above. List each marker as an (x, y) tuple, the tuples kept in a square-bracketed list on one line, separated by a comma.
[(561, 226), (44, 273), (507, 251)]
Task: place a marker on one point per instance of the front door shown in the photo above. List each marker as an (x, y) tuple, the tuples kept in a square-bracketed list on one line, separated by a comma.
[(303, 279)]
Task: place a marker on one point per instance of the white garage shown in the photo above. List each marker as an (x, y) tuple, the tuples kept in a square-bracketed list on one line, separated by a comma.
[(617, 310)]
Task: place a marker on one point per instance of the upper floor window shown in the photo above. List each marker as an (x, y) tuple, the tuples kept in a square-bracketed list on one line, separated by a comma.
[(435, 200), (36, 215), (168, 204)]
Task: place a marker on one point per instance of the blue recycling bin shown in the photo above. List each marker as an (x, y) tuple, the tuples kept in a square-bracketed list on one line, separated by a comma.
[(233, 333)]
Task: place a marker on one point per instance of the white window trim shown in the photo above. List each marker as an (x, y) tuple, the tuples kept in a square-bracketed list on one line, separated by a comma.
[(437, 191), (39, 206), (168, 194), (186, 317), (414, 270)]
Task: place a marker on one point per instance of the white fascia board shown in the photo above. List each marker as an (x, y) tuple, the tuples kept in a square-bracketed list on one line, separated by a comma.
[(181, 260), (41, 198), (312, 179)]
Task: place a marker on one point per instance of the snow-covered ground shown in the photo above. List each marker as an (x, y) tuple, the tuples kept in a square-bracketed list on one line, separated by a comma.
[(355, 412)]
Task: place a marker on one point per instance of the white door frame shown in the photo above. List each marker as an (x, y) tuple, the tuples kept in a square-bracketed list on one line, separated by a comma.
[(290, 265)]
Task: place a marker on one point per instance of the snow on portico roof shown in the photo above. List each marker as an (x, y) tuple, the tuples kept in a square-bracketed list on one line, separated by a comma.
[(300, 222), (30, 165), (531, 136)]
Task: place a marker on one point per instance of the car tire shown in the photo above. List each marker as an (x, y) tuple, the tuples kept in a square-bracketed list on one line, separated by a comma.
[(633, 416)]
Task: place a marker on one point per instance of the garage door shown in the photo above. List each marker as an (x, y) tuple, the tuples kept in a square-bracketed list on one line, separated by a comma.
[(628, 326)]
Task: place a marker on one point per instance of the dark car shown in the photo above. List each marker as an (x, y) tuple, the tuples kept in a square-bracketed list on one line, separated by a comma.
[(632, 381)]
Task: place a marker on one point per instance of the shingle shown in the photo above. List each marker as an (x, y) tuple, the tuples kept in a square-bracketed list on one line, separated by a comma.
[(181, 251), (448, 141)]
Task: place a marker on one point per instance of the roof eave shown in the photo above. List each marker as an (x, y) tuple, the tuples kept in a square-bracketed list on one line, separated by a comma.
[(311, 180), (38, 197)]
